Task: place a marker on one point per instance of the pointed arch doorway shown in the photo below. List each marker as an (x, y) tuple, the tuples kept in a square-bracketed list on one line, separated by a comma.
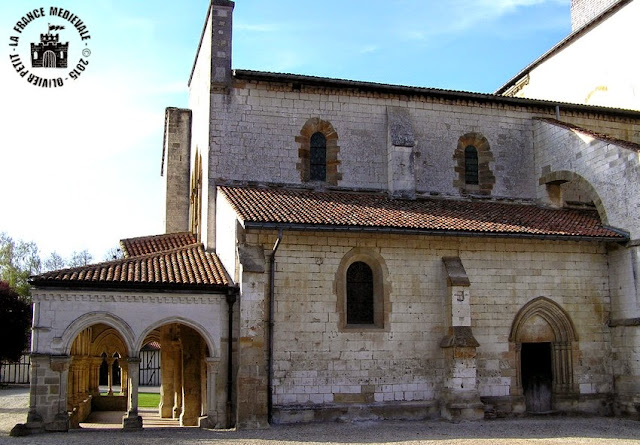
[(544, 337)]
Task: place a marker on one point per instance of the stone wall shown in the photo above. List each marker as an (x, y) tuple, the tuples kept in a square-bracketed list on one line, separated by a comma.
[(254, 131), (611, 169), (254, 137), (61, 315), (322, 371)]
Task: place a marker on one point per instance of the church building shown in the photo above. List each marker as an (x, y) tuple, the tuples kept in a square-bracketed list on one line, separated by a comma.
[(346, 250)]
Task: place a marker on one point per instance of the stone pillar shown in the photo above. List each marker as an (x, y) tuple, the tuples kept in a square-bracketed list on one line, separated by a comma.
[(110, 361), (124, 370), (85, 365), (94, 383), (132, 420), (176, 169), (177, 380), (191, 364), (168, 365), (401, 175), (252, 377), (221, 27), (60, 364), (211, 412), (460, 395)]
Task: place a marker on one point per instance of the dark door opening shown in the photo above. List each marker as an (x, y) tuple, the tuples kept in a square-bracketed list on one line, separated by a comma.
[(537, 376), (104, 372)]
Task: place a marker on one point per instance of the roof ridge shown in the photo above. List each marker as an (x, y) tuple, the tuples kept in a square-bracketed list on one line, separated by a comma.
[(125, 260), (161, 235)]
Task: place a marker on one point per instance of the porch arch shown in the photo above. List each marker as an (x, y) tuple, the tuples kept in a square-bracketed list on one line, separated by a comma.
[(543, 320), (92, 318), (189, 362), (144, 336)]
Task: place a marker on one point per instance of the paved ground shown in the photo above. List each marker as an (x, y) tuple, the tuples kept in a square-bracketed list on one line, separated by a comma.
[(534, 430)]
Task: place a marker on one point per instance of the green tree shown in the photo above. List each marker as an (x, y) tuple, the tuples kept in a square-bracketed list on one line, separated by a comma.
[(18, 261), (15, 319)]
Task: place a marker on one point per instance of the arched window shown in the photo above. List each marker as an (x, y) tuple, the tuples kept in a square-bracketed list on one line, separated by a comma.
[(473, 158), (362, 290), (470, 165), (318, 157), (318, 152), (360, 304)]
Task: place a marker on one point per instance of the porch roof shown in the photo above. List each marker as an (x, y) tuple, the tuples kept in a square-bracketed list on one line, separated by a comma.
[(304, 209), (163, 262)]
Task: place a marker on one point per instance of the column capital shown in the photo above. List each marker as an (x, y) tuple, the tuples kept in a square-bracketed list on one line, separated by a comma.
[(212, 360), (133, 360), (60, 363)]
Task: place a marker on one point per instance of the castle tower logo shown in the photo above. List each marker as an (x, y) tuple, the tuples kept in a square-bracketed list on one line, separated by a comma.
[(50, 53), (54, 58)]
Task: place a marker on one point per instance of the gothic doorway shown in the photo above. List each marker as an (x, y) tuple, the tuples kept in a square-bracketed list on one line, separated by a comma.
[(544, 337), (537, 376)]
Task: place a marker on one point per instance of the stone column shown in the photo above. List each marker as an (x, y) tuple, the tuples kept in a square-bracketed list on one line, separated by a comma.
[(94, 386), (124, 369), (167, 372), (177, 380), (132, 420), (110, 361), (60, 364), (85, 366), (191, 363), (211, 409)]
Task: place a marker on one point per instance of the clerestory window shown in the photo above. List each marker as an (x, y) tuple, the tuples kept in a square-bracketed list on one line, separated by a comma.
[(471, 165), (318, 157)]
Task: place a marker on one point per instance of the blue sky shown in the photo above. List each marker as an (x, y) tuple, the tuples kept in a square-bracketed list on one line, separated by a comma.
[(81, 164)]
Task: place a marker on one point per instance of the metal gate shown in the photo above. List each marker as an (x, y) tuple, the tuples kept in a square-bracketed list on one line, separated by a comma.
[(17, 372), (149, 366)]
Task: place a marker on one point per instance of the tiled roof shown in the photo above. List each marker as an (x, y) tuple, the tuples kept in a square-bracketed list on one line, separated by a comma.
[(159, 266), (338, 210), (151, 244)]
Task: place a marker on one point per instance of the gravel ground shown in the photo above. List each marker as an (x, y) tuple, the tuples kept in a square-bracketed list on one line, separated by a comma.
[(532, 430)]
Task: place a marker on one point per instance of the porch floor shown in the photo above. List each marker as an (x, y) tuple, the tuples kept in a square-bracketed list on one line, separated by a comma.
[(113, 420)]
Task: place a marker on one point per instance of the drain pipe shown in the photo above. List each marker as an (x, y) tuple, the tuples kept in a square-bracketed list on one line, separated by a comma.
[(272, 275), (232, 294)]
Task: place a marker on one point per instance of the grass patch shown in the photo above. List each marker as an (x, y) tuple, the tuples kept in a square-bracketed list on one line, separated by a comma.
[(148, 399)]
